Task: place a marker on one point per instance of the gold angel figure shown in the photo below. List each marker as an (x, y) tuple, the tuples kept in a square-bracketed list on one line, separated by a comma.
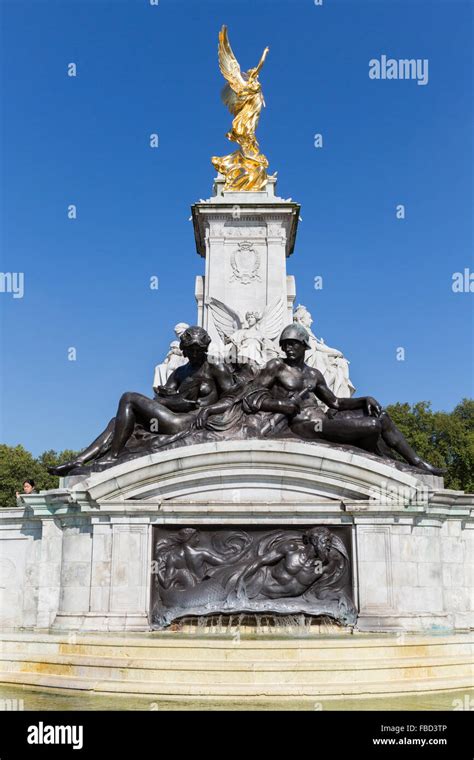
[(245, 169)]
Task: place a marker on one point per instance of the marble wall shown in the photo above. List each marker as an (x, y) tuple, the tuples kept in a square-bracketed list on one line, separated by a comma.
[(80, 558)]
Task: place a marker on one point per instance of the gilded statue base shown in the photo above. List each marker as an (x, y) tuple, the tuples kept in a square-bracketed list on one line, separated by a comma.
[(242, 172)]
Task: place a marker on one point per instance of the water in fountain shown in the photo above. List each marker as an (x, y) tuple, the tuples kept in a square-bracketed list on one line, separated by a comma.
[(258, 624)]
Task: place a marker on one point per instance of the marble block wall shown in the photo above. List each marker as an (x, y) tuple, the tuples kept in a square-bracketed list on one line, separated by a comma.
[(416, 576), (79, 558)]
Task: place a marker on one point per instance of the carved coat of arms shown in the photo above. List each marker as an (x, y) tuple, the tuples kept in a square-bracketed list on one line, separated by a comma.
[(245, 263)]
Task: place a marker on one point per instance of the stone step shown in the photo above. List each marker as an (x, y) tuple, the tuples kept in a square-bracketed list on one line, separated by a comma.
[(241, 663), (189, 667), (176, 638), (282, 649), (249, 672), (230, 691)]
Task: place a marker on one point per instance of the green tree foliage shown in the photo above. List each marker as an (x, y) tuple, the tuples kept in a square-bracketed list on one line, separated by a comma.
[(17, 465), (442, 438)]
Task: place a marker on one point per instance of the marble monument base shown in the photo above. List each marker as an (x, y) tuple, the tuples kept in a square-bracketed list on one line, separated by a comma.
[(79, 558)]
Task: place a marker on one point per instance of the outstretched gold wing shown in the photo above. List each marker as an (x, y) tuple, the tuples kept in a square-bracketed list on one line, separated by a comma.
[(230, 70)]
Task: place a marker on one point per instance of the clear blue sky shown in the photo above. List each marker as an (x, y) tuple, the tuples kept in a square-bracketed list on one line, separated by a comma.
[(144, 69)]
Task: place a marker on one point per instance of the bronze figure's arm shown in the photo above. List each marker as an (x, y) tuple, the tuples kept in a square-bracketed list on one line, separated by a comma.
[(171, 386), (368, 403)]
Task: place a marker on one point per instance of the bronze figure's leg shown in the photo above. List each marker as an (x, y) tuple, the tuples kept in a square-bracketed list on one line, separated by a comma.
[(394, 438), (363, 432), (135, 408), (96, 449), (359, 431)]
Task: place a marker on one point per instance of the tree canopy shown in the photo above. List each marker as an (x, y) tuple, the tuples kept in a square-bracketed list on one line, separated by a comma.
[(445, 439), (18, 465)]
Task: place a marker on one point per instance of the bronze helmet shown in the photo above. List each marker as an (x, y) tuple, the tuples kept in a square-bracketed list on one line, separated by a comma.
[(295, 332)]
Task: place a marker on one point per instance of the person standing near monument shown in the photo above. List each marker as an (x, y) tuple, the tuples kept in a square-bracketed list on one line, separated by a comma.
[(29, 486)]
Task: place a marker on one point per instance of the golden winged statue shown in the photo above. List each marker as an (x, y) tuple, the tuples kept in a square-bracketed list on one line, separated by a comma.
[(245, 169)]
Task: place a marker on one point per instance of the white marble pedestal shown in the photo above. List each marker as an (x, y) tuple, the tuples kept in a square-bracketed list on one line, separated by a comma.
[(245, 239), (79, 558)]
